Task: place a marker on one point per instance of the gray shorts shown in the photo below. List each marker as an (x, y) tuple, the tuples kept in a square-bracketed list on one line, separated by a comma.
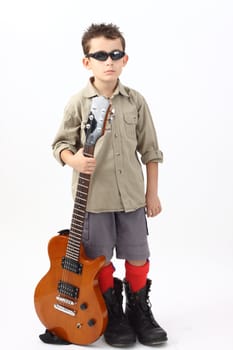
[(124, 232)]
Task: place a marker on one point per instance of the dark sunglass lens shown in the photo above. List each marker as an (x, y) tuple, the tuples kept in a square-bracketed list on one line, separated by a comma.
[(116, 55), (101, 56)]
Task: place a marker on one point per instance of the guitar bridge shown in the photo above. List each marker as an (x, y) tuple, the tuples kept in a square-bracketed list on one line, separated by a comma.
[(64, 309), (65, 300)]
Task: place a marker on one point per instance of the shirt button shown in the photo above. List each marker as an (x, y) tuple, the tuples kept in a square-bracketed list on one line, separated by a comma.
[(118, 154), (116, 135)]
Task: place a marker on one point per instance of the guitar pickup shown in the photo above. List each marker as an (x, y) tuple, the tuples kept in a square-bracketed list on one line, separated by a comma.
[(72, 265), (67, 289)]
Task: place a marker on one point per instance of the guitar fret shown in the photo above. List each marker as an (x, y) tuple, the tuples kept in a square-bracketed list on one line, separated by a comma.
[(76, 206), (79, 231), (83, 180), (78, 236), (72, 233), (81, 185), (73, 240), (73, 253), (73, 256), (73, 247), (77, 211), (84, 177), (88, 155), (81, 199), (77, 226), (81, 192), (79, 204), (80, 216), (77, 220)]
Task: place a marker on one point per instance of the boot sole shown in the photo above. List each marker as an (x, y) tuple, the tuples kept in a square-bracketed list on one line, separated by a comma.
[(158, 342), (121, 345)]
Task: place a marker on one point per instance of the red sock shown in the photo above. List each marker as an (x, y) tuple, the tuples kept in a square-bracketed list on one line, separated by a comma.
[(136, 276), (106, 277)]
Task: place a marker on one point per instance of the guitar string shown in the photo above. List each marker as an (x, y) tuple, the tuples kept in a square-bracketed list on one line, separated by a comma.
[(84, 180), (75, 237)]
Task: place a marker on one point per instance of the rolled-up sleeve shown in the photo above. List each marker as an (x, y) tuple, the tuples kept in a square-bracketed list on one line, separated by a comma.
[(68, 135), (155, 156), (146, 135)]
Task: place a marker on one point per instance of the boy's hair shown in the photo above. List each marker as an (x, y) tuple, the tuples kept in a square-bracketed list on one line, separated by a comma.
[(109, 31)]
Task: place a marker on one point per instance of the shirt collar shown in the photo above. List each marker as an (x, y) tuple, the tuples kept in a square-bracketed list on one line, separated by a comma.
[(90, 91)]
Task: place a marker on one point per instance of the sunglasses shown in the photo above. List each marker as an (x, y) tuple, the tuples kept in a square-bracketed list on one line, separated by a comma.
[(103, 55)]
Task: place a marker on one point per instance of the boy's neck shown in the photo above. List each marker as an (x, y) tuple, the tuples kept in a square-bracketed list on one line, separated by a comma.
[(105, 89)]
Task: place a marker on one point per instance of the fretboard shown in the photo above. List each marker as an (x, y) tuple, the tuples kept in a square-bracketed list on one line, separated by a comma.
[(79, 211)]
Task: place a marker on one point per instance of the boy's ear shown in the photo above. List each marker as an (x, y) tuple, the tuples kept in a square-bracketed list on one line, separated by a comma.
[(86, 62), (125, 60)]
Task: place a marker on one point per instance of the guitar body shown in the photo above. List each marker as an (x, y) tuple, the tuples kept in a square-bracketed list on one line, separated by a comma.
[(80, 320)]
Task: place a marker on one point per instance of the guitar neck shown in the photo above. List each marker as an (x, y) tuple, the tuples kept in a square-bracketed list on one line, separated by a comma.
[(95, 126), (79, 210)]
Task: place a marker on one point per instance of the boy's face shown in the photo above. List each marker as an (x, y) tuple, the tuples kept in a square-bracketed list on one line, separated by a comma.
[(108, 70)]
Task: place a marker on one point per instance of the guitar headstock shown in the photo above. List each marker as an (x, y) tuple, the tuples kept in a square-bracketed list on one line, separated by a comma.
[(97, 119)]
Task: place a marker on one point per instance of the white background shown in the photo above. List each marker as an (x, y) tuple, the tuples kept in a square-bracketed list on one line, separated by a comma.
[(180, 59)]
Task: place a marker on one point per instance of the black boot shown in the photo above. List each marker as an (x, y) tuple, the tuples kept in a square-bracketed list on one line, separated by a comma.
[(118, 332), (138, 311)]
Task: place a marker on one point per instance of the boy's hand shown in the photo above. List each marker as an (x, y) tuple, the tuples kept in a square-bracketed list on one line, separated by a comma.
[(79, 162), (83, 164), (153, 205)]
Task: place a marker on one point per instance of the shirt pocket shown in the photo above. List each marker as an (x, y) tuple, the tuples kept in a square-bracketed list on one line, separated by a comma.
[(130, 122)]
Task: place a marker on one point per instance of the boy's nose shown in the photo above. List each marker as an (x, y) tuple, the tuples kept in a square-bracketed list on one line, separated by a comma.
[(109, 60)]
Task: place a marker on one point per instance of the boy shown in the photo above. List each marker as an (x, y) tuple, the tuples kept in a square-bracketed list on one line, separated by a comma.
[(116, 204)]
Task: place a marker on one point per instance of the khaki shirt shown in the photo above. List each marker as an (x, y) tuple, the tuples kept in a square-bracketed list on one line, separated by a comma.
[(117, 183)]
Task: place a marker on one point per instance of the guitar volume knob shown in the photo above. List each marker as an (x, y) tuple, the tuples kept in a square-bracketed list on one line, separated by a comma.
[(91, 322), (83, 306)]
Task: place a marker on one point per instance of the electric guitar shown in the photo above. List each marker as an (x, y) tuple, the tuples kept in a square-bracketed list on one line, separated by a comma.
[(67, 299)]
